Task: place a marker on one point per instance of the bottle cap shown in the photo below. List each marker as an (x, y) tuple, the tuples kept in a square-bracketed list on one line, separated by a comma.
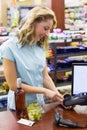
[(18, 82)]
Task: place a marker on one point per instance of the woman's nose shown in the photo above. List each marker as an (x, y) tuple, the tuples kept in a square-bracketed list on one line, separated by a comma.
[(47, 33)]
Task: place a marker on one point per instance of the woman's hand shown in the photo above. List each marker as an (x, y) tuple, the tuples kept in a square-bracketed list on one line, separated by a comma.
[(54, 96)]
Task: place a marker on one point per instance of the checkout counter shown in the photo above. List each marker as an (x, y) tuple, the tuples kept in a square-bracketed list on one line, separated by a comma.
[(8, 120)]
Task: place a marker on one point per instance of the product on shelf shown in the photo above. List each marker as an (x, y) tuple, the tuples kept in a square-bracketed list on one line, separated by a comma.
[(66, 45), (3, 95), (49, 53), (67, 36), (75, 17), (3, 102), (67, 49), (5, 86), (61, 64), (74, 44), (3, 31)]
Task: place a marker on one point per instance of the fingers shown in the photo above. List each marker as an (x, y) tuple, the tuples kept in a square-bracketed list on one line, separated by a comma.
[(68, 107), (58, 98)]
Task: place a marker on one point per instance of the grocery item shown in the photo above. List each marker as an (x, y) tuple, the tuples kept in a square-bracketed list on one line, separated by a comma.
[(34, 111), (21, 109)]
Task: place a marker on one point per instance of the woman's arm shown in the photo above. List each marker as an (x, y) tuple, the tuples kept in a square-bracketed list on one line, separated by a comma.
[(48, 82), (11, 78)]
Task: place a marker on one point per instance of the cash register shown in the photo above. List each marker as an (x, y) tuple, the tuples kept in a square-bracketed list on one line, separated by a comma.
[(79, 86)]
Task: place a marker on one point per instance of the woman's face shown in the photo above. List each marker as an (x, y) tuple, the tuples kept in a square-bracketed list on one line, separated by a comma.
[(42, 29)]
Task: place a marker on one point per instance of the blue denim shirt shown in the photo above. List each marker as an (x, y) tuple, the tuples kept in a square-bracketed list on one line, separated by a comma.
[(30, 62)]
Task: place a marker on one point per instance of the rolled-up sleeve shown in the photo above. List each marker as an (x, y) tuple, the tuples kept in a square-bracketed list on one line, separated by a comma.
[(5, 52)]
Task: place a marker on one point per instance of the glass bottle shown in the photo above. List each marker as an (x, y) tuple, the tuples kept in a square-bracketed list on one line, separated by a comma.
[(21, 109)]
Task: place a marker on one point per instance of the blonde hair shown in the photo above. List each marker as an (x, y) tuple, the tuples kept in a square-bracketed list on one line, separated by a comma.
[(26, 27)]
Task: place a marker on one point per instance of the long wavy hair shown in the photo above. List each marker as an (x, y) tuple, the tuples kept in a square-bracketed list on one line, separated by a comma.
[(26, 26)]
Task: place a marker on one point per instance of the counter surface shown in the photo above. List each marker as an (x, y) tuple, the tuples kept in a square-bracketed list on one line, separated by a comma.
[(8, 120)]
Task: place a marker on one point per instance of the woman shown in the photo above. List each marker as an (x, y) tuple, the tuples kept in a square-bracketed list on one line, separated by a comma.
[(23, 55)]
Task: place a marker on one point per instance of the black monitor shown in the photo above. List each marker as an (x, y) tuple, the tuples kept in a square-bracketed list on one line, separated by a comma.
[(79, 78)]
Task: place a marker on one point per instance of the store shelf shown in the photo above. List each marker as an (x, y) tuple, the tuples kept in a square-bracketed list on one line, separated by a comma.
[(3, 93), (64, 84), (58, 57), (23, 10), (72, 54), (75, 17), (3, 103), (64, 70)]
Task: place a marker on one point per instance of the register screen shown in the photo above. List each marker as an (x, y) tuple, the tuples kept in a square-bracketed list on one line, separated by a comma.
[(79, 78)]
